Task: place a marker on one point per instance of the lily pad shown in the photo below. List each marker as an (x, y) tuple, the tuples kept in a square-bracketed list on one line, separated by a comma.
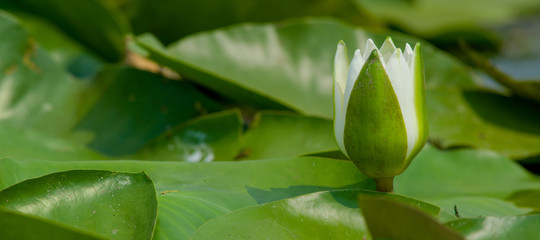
[(16, 225), (193, 193), (160, 17), (134, 106), (282, 134), (320, 215), (213, 189), (92, 22), (526, 199), (34, 89), (431, 17), (111, 204), (30, 144), (63, 49), (463, 173), (213, 137), (281, 66), (387, 219), (473, 207), (518, 227)]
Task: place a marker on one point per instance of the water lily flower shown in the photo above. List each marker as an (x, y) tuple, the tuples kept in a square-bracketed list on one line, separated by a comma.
[(380, 108)]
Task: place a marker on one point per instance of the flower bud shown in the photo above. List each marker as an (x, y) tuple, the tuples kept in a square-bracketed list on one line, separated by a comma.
[(379, 107)]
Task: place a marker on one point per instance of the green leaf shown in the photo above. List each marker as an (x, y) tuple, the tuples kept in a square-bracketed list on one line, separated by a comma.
[(526, 199), (160, 17), (428, 18), (92, 22), (192, 193), (213, 137), (36, 92), (123, 108), (504, 124), (518, 227), (111, 204), (472, 207), (30, 144), (387, 219), (182, 212), (281, 66), (320, 215), (136, 106), (16, 225), (436, 174), (282, 134), (62, 48)]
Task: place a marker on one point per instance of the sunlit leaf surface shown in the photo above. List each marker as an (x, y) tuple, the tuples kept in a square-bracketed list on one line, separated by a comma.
[(111, 204), (282, 66)]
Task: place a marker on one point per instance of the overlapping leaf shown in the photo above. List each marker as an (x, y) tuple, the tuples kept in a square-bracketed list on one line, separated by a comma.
[(134, 106), (281, 134), (16, 225), (214, 137), (160, 17), (283, 66), (320, 215), (92, 22), (193, 193), (110, 204), (119, 111)]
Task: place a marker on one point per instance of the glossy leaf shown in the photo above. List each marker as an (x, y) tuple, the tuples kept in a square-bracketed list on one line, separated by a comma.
[(387, 219), (518, 227), (282, 134), (253, 62), (504, 124), (92, 22), (123, 108), (16, 225), (203, 191), (472, 207), (213, 137), (30, 144), (436, 174), (193, 193), (136, 106), (320, 215), (111, 204)]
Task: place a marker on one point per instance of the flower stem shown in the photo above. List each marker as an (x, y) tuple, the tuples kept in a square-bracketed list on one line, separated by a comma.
[(385, 184)]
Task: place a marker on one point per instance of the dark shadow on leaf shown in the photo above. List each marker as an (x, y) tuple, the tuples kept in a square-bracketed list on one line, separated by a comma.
[(509, 112), (531, 163), (346, 198), (274, 194)]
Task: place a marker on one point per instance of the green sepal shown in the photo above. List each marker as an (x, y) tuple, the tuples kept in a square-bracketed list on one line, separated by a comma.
[(375, 134)]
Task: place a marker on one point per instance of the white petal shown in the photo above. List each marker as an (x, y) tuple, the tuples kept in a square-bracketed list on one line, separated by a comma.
[(402, 81), (409, 55), (354, 69), (370, 46), (387, 49), (341, 65)]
